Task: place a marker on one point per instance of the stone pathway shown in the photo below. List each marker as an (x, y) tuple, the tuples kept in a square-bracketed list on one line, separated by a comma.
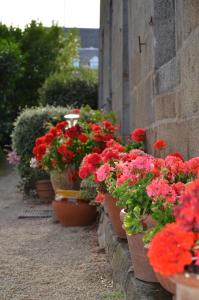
[(43, 260)]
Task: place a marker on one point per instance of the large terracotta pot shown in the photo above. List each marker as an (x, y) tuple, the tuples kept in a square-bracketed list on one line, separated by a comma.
[(141, 266), (166, 283), (71, 212), (44, 190), (61, 180), (114, 215), (187, 286)]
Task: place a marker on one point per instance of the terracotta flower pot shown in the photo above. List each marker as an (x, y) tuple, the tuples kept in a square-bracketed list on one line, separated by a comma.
[(44, 190), (187, 288), (71, 212), (166, 283), (114, 215), (141, 266), (61, 180)]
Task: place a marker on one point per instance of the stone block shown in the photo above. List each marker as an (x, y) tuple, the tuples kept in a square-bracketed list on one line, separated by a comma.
[(193, 137), (167, 77), (176, 135), (121, 263), (164, 31), (165, 106), (103, 221), (189, 73), (139, 290), (190, 16), (111, 240), (151, 136), (144, 106)]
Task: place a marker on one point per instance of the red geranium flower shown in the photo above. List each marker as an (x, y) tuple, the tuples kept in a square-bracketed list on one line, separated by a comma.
[(96, 150), (187, 213), (85, 170), (73, 132), (61, 125), (170, 250), (49, 138), (40, 140), (100, 198), (76, 111), (83, 138), (53, 130), (159, 145), (176, 154), (67, 154), (93, 159), (95, 127), (138, 134)]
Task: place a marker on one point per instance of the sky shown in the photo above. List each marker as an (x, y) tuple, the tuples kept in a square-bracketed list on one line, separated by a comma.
[(68, 13)]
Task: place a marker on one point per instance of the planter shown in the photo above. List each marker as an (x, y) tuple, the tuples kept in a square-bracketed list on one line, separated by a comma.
[(187, 286), (141, 266), (61, 180), (44, 190), (114, 215), (166, 283), (72, 212)]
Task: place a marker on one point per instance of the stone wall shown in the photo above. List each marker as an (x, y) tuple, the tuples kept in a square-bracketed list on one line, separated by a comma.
[(123, 276), (154, 85)]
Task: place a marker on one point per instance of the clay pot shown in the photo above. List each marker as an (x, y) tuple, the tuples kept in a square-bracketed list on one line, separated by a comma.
[(61, 180), (114, 215), (44, 190), (141, 266), (187, 288), (74, 212), (166, 283)]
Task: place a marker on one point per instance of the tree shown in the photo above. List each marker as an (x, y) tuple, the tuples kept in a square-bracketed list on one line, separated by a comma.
[(11, 70), (70, 51), (40, 46)]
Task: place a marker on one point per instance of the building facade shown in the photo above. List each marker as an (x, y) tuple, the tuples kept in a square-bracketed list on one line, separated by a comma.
[(149, 69), (89, 51)]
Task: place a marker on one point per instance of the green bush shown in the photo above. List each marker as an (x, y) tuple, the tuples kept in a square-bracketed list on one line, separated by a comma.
[(30, 124), (76, 87), (10, 71)]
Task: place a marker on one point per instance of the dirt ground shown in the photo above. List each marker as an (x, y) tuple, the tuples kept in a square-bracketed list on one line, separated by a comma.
[(43, 260)]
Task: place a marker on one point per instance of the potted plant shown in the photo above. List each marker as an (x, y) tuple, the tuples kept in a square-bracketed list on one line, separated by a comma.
[(61, 150), (103, 169), (131, 193), (174, 251), (177, 197)]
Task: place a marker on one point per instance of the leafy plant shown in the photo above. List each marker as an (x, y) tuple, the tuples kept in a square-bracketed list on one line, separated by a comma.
[(137, 202), (30, 124), (88, 188), (75, 87)]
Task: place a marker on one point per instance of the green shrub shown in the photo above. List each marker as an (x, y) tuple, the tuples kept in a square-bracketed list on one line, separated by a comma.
[(30, 124), (78, 87)]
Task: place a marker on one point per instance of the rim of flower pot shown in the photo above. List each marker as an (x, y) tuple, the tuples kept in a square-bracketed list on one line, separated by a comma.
[(188, 279)]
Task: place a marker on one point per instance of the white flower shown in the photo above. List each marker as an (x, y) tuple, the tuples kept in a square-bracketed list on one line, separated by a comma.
[(34, 163)]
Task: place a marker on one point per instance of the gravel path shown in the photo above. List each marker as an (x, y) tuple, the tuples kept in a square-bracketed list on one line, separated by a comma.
[(43, 260)]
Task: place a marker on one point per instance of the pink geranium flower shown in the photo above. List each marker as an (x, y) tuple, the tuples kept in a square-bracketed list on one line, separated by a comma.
[(103, 172)]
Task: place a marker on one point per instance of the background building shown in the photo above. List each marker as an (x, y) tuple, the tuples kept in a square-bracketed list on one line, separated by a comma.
[(89, 51)]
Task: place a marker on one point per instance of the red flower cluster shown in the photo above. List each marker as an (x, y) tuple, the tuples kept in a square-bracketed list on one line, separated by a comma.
[(138, 134), (187, 212), (159, 145), (170, 250), (62, 146), (67, 155)]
